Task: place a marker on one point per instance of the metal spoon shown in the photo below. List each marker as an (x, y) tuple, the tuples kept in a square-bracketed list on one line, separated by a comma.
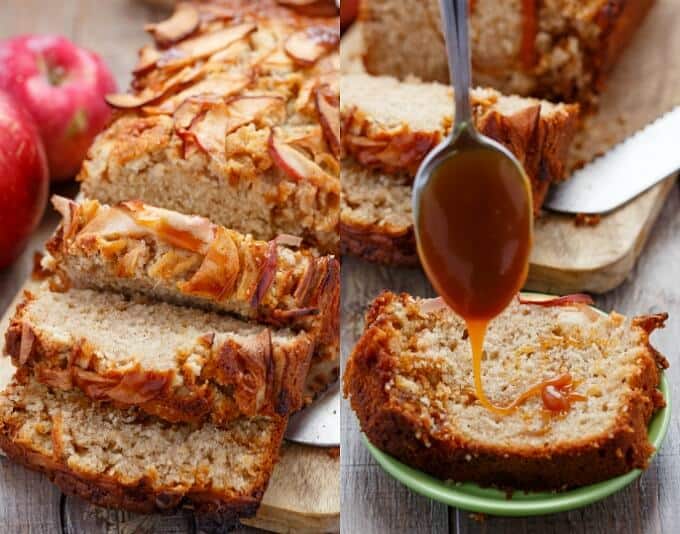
[(464, 137)]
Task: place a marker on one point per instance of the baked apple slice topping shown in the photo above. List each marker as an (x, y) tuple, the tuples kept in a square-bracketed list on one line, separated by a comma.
[(183, 22), (309, 45), (217, 276), (328, 109), (149, 94), (189, 232), (294, 163), (204, 45)]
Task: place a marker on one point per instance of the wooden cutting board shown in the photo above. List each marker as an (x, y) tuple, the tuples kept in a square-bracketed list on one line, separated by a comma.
[(644, 85), (303, 495)]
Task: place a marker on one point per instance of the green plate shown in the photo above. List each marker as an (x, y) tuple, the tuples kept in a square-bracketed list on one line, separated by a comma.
[(474, 498)]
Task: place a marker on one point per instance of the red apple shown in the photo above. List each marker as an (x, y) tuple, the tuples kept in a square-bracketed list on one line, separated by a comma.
[(23, 178), (63, 87)]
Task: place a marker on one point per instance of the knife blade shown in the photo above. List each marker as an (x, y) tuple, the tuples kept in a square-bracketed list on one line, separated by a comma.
[(319, 423), (625, 171)]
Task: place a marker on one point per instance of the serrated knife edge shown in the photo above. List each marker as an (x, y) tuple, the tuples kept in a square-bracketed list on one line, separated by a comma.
[(624, 172)]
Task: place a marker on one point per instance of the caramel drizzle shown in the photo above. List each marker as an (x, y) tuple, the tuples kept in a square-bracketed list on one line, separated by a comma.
[(556, 393)]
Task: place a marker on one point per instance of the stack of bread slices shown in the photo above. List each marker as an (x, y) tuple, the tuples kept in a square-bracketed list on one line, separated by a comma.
[(187, 304)]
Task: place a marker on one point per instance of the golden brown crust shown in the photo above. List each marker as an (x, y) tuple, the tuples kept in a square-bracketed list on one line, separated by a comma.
[(249, 376), (539, 142), (110, 493), (231, 108), (395, 429), (105, 489), (193, 258)]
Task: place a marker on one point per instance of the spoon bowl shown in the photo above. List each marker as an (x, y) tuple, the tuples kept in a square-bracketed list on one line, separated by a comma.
[(472, 202)]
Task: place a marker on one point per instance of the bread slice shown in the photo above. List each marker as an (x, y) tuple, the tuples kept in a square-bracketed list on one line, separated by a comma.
[(387, 131), (134, 248), (177, 363), (126, 459), (555, 50), (235, 121), (409, 380)]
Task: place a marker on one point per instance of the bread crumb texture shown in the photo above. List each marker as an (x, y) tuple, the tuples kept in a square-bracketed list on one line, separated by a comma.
[(409, 380)]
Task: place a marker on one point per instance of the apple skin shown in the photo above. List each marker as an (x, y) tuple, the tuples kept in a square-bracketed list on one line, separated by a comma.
[(63, 88), (24, 179)]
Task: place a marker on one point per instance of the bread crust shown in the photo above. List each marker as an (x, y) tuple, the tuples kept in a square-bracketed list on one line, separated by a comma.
[(250, 377), (573, 66), (196, 132), (391, 427), (539, 141), (139, 496), (262, 281)]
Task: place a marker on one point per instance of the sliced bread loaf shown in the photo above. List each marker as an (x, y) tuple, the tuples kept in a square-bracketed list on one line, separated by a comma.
[(126, 459), (180, 364), (558, 50), (235, 120), (410, 382), (387, 132), (139, 249)]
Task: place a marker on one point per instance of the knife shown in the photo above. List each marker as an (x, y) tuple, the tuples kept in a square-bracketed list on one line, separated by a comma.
[(319, 423), (625, 171)]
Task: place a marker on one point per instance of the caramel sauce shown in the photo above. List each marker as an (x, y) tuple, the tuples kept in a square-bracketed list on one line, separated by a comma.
[(474, 237)]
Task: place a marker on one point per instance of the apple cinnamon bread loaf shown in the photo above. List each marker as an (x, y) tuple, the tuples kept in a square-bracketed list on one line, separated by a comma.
[(387, 132), (135, 248), (554, 49), (232, 115), (177, 363), (410, 382), (127, 459)]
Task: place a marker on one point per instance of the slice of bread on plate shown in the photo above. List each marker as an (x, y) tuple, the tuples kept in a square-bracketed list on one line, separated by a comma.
[(556, 50), (388, 127), (410, 381), (130, 460)]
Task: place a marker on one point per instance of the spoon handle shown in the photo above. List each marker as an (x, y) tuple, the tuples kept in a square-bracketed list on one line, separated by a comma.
[(455, 22)]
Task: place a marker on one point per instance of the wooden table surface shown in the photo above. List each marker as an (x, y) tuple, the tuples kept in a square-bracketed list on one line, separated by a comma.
[(28, 502)]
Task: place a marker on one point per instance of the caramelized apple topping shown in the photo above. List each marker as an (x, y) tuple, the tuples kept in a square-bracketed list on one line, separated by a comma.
[(148, 56), (189, 232), (328, 108), (566, 300), (204, 45), (183, 22), (307, 46), (267, 274), (217, 276), (294, 163), (149, 94), (401, 149), (68, 211)]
